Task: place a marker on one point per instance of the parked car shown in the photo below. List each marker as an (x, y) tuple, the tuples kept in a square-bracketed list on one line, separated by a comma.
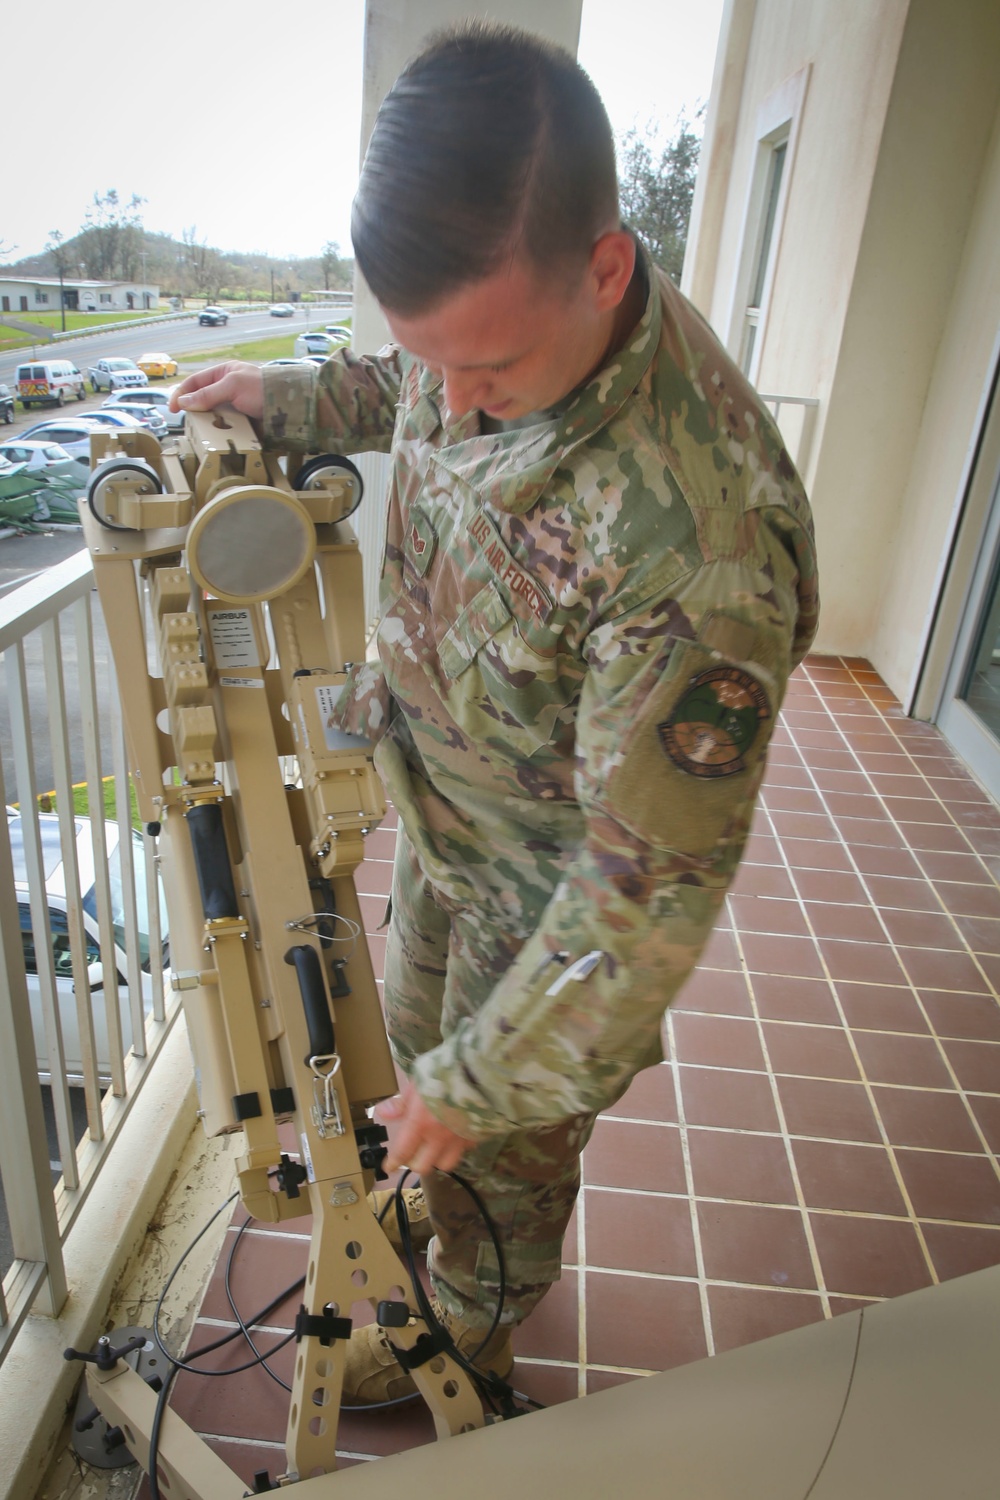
[(6, 403), (35, 453), (71, 433), (152, 965), (338, 331), (282, 310), (157, 366), (132, 416), (49, 380), (317, 342), (115, 374), (143, 400), (213, 315)]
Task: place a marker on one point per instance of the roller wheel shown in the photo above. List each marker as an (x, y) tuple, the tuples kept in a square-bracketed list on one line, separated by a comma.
[(312, 475), (97, 490)]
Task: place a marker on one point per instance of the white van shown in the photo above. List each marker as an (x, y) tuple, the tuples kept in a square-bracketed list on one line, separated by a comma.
[(49, 380)]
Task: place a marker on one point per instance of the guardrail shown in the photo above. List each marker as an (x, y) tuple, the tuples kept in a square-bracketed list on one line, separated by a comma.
[(63, 728), (799, 426)]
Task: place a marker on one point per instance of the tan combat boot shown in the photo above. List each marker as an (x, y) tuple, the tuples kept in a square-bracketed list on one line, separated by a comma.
[(373, 1375), (417, 1212)]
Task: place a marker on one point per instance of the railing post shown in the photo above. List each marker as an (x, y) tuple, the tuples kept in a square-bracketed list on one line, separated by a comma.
[(24, 1155)]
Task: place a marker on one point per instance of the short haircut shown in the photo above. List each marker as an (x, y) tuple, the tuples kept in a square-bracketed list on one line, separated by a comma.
[(490, 142)]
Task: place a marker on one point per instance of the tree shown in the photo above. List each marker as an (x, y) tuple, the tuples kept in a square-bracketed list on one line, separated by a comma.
[(330, 263), (60, 254), (656, 186), (111, 240), (205, 266)]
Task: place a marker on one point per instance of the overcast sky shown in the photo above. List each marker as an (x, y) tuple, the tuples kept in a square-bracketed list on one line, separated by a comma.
[(242, 120)]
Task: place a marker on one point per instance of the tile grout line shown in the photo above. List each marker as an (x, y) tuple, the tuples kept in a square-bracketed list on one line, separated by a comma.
[(932, 1030), (817, 1267), (862, 1071), (682, 1126), (582, 1352)]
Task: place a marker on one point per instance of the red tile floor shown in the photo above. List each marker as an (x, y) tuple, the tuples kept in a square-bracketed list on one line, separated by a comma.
[(824, 1132)]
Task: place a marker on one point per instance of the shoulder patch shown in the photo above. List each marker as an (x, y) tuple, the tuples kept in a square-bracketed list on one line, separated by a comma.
[(715, 722)]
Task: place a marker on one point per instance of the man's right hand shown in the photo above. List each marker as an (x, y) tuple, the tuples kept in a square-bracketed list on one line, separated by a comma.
[(234, 383)]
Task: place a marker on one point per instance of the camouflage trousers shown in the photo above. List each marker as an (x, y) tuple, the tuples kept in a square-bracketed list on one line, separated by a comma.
[(442, 965)]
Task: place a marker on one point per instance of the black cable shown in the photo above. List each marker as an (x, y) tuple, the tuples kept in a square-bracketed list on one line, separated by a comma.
[(245, 1330), (488, 1385)]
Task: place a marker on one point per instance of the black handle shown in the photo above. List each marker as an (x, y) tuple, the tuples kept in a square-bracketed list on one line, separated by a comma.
[(314, 1002)]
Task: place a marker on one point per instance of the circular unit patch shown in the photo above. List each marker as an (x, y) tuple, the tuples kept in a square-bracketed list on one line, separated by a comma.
[(715, 722)]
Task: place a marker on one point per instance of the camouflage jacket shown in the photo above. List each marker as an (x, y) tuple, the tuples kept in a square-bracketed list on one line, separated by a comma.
[(586, 630)]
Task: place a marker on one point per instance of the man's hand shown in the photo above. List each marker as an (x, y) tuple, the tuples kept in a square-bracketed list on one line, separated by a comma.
[(234, 383), (417, 1139)]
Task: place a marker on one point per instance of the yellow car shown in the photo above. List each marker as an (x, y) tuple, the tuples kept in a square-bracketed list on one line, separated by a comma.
[(157, 366)]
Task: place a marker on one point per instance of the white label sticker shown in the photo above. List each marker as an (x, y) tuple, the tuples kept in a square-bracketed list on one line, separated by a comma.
[(250, 682), (307, 1157), (233, 642)]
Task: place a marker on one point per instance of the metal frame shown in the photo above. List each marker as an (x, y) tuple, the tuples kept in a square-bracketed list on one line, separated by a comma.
[(243, 682)]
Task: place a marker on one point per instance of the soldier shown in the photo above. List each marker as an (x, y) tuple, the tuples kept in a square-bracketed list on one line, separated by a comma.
[(599, 572)]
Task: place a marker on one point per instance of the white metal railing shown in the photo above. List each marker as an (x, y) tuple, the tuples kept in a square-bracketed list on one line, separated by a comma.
[(798, 425), (369, 523), (82, 1005)]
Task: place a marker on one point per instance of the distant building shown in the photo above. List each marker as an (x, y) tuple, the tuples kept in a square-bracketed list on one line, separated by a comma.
[(35, 294)]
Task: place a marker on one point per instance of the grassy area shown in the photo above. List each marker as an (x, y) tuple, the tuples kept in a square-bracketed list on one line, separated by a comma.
[(13, 338), (282, 347), (81, 801)]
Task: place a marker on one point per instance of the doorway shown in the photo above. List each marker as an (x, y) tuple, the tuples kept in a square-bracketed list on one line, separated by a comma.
[(969, 709)]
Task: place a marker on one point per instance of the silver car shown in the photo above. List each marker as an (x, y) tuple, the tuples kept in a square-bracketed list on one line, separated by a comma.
[(157, 399)]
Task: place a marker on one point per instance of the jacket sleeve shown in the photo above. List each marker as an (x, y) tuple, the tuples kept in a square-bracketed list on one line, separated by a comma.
[(347, 405), (672, 731)]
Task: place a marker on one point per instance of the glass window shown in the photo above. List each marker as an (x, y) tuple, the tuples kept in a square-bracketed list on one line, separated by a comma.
[(59, 928)]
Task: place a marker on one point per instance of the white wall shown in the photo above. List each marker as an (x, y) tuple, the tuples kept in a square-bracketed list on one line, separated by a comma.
[(941, 463), (888, 184), (937, 130)]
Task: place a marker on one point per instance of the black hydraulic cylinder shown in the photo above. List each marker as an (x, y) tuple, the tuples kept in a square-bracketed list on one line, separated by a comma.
[(312, 987), (211, 860)]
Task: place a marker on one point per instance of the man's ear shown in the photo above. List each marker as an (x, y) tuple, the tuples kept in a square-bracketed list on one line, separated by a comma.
[(612, 262)]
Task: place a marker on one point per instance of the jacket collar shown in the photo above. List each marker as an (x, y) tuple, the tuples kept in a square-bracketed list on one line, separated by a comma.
[(510, 470)]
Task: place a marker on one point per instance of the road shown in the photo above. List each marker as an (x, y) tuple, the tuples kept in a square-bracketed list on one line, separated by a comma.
[(183, 338)]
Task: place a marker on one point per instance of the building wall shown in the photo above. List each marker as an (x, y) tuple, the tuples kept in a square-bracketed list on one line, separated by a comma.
[(847, 50), (899, 104), (932, 156), (916, 624), (90, 294)]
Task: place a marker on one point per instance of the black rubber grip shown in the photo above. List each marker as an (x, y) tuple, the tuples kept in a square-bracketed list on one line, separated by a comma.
[(314, 1002), (211, 860)]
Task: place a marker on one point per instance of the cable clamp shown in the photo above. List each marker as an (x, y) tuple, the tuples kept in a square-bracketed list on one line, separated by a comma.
[(323, 1326), (434, 1341)]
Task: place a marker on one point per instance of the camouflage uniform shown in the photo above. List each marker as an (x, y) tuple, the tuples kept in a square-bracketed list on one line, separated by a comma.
[(587, 628)]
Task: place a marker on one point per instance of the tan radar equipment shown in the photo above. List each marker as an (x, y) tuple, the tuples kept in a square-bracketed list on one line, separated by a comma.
[(243, 587)]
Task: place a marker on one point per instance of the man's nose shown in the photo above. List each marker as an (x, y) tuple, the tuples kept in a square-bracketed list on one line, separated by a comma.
[(464, 390)]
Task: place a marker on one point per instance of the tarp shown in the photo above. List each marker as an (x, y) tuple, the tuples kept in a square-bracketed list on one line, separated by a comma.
[(32, 499)]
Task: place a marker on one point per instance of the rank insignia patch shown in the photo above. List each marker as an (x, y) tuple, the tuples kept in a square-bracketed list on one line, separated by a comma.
[(715, 722), (421, 542)]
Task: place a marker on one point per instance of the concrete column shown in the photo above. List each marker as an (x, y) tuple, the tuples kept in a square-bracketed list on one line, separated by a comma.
[(395, 30)]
